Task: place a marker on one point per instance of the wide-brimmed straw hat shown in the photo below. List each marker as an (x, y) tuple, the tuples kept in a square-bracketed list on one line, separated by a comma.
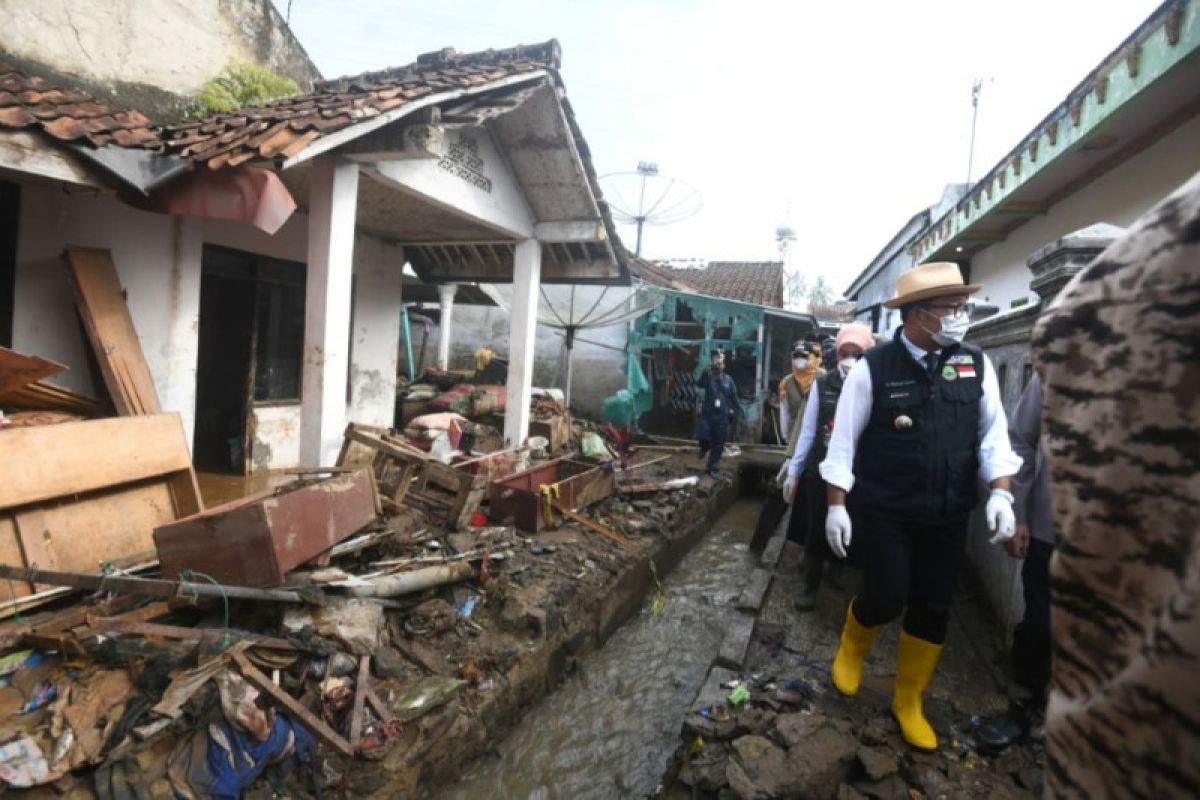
[(936, 279)]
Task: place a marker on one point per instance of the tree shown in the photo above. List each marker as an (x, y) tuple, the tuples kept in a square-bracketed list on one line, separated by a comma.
[(243, 84), (821, 294)]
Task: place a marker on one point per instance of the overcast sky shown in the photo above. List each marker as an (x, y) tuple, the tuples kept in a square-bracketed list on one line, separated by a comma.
[(840, 119)]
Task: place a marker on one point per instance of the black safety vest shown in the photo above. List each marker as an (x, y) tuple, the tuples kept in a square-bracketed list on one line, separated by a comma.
[(918, 458), (829, 389)]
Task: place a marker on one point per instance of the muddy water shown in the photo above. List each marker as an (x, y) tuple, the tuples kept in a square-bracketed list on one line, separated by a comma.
[(608, 731)]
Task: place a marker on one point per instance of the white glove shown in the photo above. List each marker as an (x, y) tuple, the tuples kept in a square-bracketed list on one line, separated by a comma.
[(837, 530), (1000, 518), (789, 488), (781, 476)]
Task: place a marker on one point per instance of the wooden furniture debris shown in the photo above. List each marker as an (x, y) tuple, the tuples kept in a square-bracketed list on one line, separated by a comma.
[(81, 494), (403, 473), (43, 396), (315, 725), (109, 326), (257, 540), (531, 497), (18, 369)]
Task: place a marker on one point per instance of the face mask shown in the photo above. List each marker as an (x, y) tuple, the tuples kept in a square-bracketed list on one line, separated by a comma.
[(954, 328), (800, 363), (845, 365)]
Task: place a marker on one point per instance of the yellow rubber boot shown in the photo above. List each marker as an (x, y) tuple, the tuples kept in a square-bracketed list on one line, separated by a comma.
[(915, 662), (852, 652)]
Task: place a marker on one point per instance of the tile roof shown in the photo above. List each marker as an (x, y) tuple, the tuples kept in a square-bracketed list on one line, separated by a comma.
[(69, 114), (756, 282), (282, 129)]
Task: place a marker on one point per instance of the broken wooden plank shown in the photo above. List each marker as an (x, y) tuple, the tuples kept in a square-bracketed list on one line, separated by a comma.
[(736, 643), (360, 698), (598, 528), (423, 656), (302, 715), (42, 396), (755, 591), (18, 370), (110, 329)]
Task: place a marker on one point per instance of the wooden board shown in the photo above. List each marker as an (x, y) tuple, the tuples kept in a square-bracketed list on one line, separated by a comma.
[(18, 370), (112, 334), (42, 396), (75, 457)]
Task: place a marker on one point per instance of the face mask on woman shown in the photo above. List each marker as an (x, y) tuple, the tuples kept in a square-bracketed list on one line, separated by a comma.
[(847, 364)]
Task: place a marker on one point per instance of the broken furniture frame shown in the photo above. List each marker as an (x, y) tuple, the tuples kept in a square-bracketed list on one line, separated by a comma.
[(403, 472)]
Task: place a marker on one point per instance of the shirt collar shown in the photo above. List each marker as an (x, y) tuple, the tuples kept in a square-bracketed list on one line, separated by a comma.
[(916, 352)]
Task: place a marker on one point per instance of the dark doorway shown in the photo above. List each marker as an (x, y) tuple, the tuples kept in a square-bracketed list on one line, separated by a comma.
[(10, 215), (223, 373), (251, 345)]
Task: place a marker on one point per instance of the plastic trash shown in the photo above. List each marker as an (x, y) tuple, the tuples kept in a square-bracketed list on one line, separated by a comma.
[(43, 694), (739, 695), (592, 445), (468, 607)]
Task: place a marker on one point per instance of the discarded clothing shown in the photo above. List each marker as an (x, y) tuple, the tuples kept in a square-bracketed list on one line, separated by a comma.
[(222, 761)]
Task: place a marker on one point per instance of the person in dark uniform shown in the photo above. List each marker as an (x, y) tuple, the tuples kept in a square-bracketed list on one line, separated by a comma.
[(919, 422), (718, 407)]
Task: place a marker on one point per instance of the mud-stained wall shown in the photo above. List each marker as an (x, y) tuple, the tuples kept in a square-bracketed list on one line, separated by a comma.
[(151, 55), (158, 260)]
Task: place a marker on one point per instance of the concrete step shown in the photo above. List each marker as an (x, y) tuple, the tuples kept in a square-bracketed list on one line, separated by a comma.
[(736, 643), (773, 550), (755, 591)]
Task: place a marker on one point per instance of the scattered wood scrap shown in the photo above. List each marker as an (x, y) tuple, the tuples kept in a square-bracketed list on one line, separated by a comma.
[(18, 370), (658, 486)]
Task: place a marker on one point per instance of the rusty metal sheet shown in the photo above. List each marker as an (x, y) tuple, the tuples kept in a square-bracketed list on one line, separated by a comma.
[(255, 542)]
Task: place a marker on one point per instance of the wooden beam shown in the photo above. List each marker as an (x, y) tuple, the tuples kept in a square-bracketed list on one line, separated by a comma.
[(110, 329), (147, 587), (181, 632), (360, 697), (314, 724)]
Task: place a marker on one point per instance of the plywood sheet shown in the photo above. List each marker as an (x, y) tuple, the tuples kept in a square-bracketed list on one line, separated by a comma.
[(18, 369), (60, 460), (110, 329)]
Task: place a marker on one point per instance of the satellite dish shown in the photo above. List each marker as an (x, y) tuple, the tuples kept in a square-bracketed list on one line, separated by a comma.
[(645, 196), (572, 314)]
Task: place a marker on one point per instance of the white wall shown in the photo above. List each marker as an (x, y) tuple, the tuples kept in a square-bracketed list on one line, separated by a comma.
[(1118, 197), (158, 260)]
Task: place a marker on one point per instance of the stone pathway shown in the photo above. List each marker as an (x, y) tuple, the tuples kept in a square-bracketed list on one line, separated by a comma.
[(796, 736)]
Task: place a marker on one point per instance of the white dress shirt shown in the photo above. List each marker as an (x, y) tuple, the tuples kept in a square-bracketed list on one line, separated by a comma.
[(808, 433), (996, 456)]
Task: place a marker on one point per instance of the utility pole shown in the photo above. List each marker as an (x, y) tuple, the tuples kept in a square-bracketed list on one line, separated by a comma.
[(975, 89)]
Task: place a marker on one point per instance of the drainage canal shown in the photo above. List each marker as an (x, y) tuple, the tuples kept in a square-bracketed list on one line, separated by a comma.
[(609, 730)]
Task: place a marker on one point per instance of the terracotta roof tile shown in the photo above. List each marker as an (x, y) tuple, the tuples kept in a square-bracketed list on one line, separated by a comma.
[(290, 125), (68, 114), (757, 282)]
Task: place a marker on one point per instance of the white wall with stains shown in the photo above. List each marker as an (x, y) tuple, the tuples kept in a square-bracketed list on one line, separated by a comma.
[(158, 260)]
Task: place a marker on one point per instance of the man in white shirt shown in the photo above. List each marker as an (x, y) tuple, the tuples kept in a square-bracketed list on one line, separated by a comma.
[(919, 422)]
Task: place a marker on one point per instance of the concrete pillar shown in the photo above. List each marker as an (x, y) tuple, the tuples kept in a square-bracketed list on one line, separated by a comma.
[(332, 201), (527, 275), (446, 292)]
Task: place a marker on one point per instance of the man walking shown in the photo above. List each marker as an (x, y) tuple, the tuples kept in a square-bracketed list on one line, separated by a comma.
[(1034, 542), (719, 406), (919, 421)]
